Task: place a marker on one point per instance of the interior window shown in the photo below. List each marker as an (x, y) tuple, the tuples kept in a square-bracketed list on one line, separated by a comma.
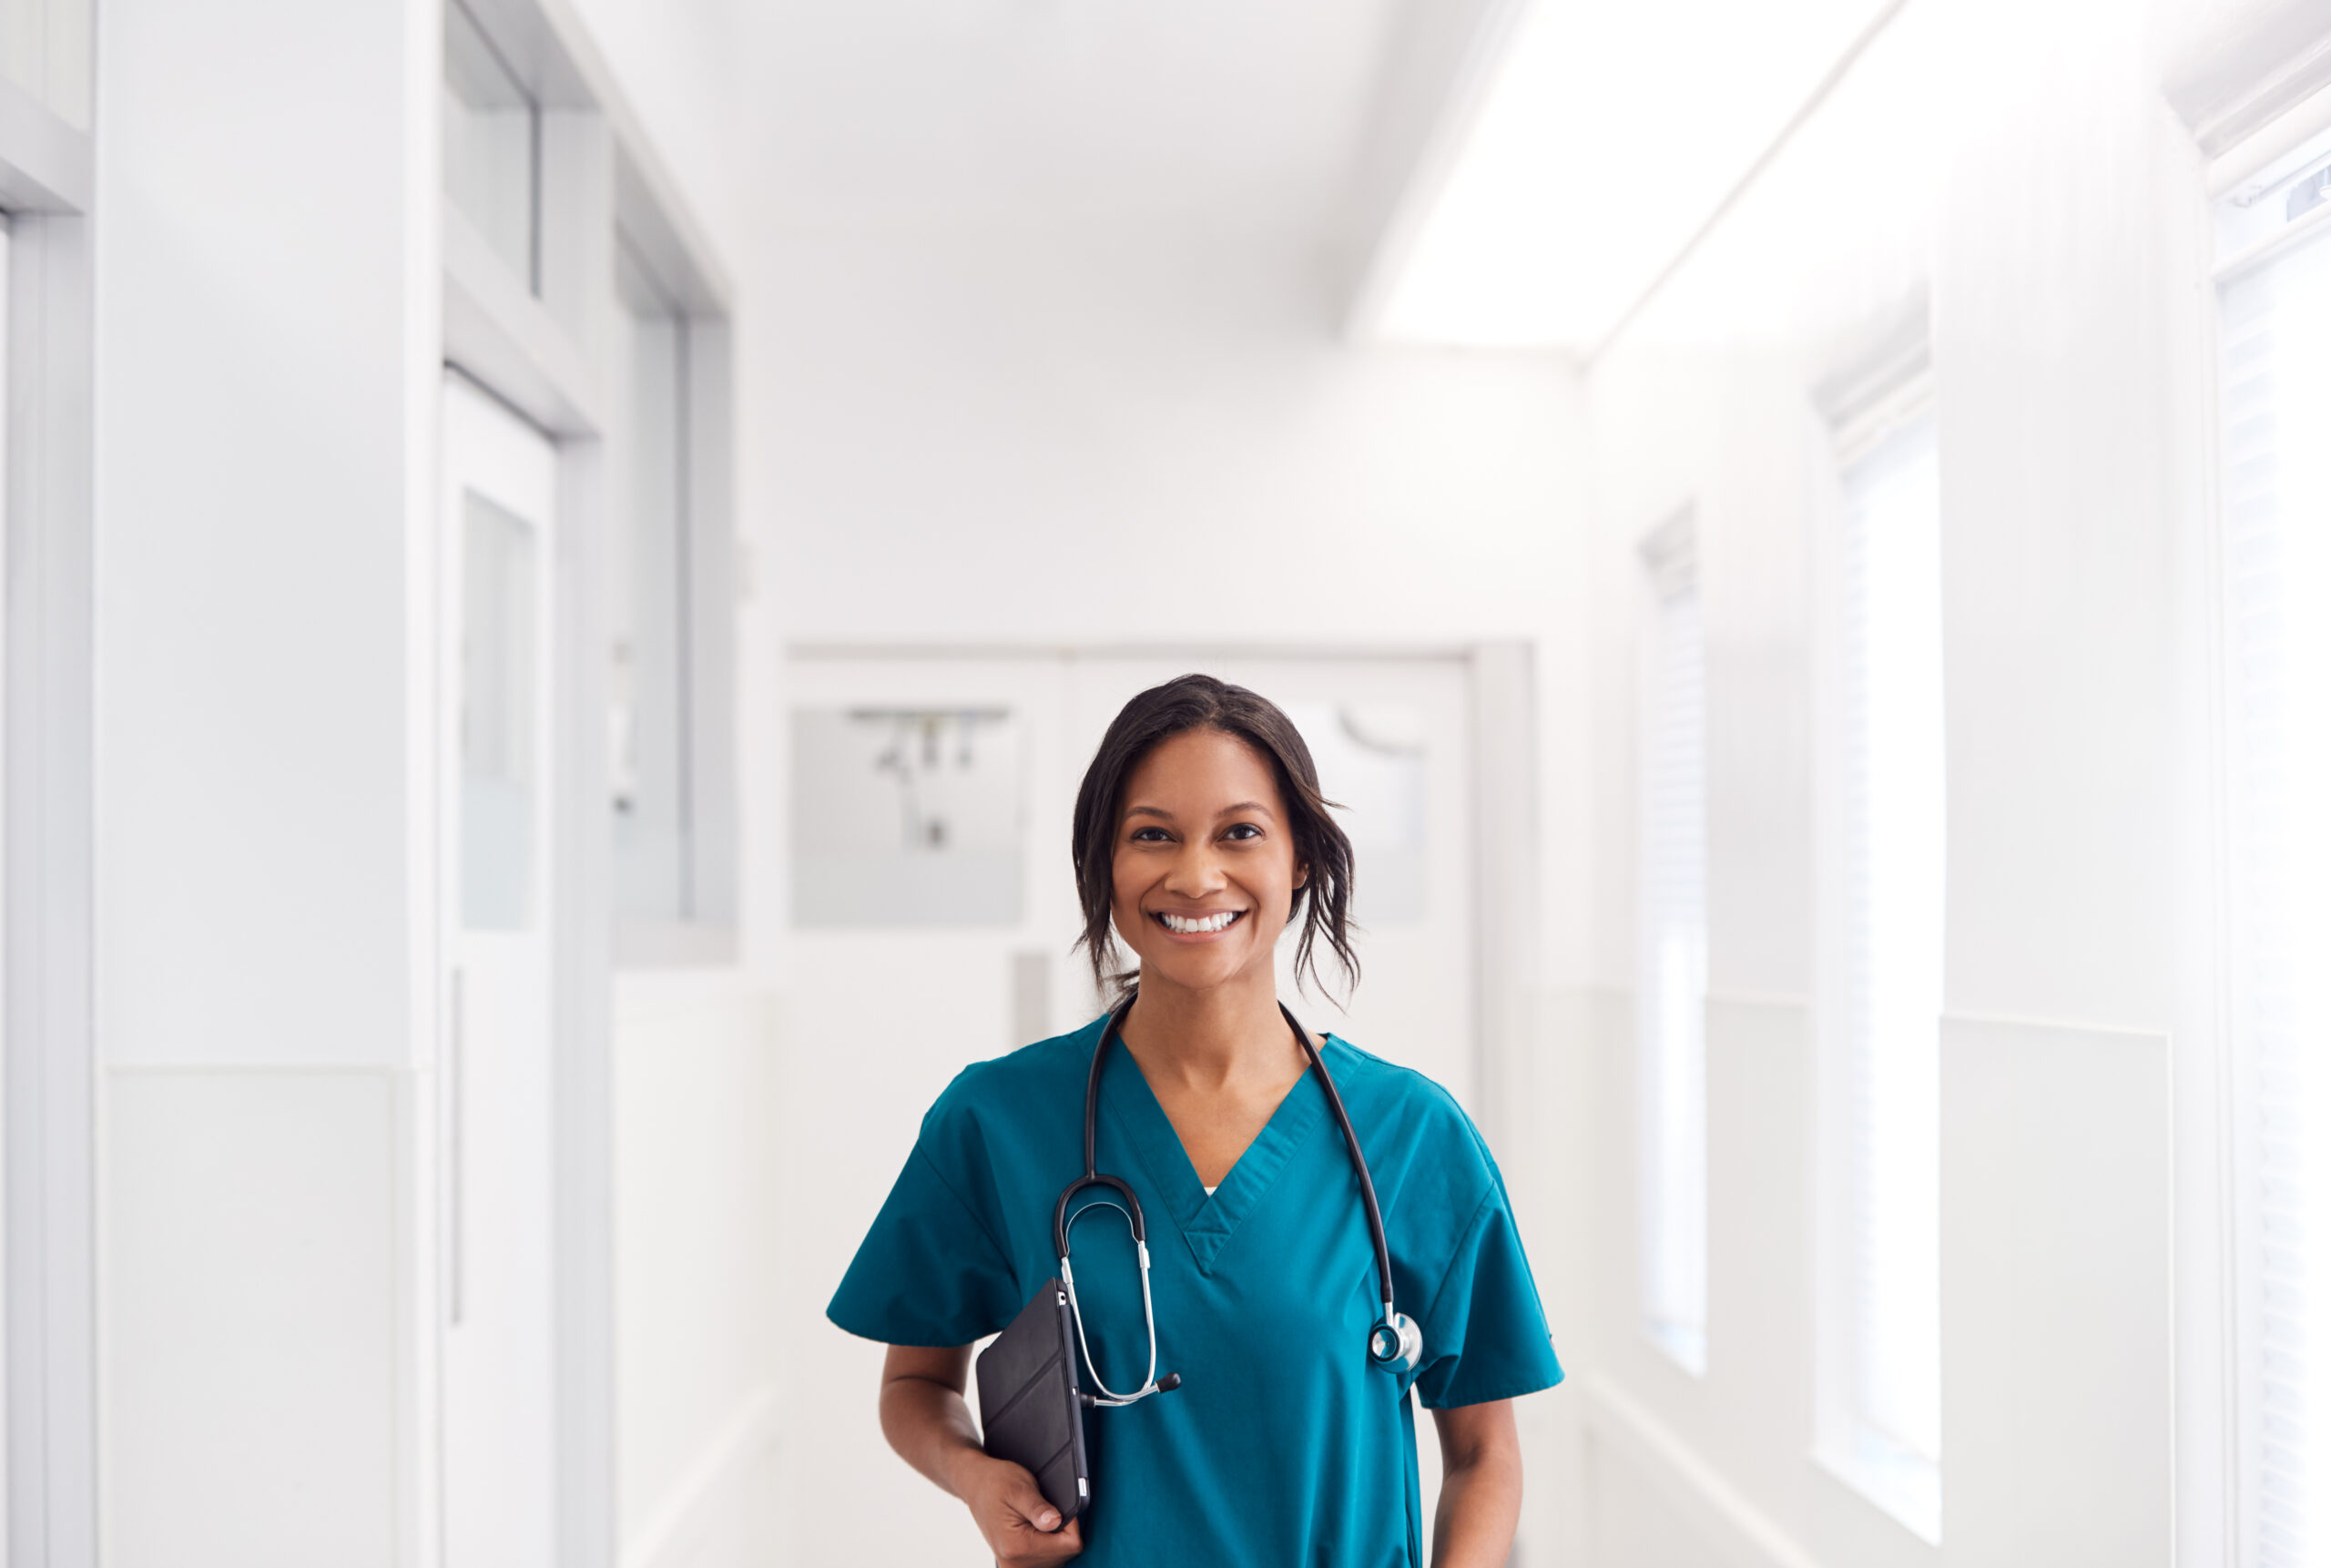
[(2274, 392), (1883, 1417), (1672, 1055)]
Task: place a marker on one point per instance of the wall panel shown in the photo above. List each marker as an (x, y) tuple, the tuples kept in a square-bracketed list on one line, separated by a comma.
[(251, 1409), (2058, 1414)]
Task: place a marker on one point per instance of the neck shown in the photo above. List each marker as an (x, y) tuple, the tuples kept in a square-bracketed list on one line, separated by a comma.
[(1212, 1036)]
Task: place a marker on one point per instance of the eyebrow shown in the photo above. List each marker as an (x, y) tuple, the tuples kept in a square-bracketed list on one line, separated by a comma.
[(1161, 812)]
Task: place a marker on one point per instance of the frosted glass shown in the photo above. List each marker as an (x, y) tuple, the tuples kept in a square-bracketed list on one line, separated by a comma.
[(493, 146), (1371, 758), (44, 50), (502, 692), (907, 816)]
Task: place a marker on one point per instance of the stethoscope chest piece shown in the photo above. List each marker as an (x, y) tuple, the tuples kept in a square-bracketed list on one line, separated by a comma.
[(1396, 1344)]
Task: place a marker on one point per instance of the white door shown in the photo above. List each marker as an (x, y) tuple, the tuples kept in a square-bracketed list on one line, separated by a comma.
[(496, 551)]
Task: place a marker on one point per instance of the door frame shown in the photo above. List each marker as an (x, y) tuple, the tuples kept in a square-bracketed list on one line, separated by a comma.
[(48, 1043), (579, 919), (509, 486)]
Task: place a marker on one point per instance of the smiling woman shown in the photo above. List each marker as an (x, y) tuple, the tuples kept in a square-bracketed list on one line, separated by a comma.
[(1145, 793), (1310, 1184)]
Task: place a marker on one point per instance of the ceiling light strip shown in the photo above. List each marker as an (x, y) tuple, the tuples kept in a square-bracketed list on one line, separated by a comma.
[(1433, 165), (1764, 160)]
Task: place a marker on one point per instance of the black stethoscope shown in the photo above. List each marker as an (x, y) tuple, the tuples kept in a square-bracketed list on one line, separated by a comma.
[(1394, 1343)]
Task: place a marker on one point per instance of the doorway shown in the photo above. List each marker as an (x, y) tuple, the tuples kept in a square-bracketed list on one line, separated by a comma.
[(498, 546)]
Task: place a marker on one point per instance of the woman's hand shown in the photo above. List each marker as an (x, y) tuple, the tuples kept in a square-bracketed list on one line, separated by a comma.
[(1021, 1529), (924, 1417)]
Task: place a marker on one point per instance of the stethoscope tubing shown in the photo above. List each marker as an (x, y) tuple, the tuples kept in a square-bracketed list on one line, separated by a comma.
[(1108, 1396), (1359, 1162), (1403, 1345)]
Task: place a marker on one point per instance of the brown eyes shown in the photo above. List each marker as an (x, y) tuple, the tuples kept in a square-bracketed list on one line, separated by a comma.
[(1238, 833)]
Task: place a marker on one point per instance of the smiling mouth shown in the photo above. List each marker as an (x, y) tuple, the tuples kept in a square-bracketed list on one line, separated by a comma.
[(1199, 925)]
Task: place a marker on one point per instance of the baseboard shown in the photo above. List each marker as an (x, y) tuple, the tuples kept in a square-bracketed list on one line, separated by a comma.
[(707, 1494)]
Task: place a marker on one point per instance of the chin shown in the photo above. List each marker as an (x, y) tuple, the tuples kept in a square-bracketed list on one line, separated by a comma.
[(1196, 970)]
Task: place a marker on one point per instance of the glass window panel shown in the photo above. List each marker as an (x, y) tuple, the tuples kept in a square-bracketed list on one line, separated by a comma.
[(44, 50), (501, 693), (907, 816), (1893, 908), (1370, 759), (653, 694), (2274, 392), (1672, 998), (493, 146), (23, 51)]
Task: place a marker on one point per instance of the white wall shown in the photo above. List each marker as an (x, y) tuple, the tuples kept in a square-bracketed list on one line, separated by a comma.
[(1028, 435), (2013, 172), (266, 378), (270, 355), (698, 1299), (255, 436)]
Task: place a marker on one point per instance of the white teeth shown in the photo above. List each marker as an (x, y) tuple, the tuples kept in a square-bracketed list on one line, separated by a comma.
[(1186, 927)]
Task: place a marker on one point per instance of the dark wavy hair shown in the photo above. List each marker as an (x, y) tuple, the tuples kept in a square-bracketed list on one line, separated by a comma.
[(1321, 849)]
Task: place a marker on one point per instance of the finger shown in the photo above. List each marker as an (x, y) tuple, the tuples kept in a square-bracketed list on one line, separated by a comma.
[(1032, 1551), (1025, 1498)]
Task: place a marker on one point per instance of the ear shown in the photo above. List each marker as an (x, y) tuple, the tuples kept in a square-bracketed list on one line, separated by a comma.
[(1302, 873)]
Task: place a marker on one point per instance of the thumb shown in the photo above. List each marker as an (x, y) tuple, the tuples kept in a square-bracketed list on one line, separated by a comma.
[(1026, 1499)]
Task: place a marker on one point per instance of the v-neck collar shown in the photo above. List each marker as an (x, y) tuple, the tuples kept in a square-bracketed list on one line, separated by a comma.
[(1206, 1223)]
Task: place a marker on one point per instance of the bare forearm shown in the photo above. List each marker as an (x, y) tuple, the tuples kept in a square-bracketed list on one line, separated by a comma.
[(930, 1426), (1480, 1502), (1480, 1486)]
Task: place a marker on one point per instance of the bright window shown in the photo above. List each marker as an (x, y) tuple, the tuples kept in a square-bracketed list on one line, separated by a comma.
[(1883, 1372), (2274, 388), (1671, 1090)]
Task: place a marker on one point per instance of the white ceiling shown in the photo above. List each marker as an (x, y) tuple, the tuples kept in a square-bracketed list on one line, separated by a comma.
[(1595, 149), (925, 114), (1557, 174)]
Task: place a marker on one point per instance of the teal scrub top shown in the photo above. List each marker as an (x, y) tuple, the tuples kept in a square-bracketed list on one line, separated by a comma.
[(1283, 1445)]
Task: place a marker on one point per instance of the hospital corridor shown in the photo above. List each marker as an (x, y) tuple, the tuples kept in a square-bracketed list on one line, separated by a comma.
[(1635, 698)]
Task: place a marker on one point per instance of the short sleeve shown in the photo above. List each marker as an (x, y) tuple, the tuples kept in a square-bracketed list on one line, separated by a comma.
[(1485, 1334), (927, 1273)]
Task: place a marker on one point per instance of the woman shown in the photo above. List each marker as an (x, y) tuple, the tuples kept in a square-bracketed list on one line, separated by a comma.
[(1200, 836)]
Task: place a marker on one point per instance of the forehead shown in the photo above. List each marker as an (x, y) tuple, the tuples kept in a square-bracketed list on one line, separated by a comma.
[(1200, 769)]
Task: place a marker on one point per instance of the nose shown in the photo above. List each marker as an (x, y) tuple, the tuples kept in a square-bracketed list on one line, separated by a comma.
[(1195, 871)]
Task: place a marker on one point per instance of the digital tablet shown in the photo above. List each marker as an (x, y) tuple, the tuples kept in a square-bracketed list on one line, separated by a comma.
[(1029, 1408)]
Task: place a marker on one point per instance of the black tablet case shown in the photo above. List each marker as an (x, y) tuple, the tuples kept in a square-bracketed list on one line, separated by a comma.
[(1028, 1400)]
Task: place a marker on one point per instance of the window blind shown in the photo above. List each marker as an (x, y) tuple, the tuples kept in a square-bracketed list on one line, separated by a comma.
[(2275, 389), (1890, 755), (1672, 1133)]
